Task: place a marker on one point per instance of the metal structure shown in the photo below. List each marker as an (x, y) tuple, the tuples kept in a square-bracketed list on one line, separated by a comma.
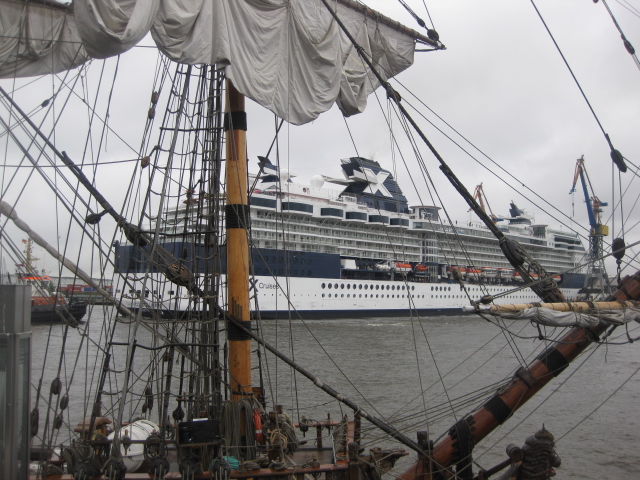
[(15, 378), (596, 285)]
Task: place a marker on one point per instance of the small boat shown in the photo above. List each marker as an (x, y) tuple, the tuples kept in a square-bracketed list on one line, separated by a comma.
[(473, 273), (421, 269), (488, 272), (402, 267), (505, 274), (133, 454), (47, 306)]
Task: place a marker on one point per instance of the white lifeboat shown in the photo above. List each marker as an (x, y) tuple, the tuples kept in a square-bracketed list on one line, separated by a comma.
[(402, 267), (138, 430), (383, 267), (505, 274), (473, 273), (488, 272)]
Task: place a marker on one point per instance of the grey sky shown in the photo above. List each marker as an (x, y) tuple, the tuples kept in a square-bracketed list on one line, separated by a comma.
[(501, 83)]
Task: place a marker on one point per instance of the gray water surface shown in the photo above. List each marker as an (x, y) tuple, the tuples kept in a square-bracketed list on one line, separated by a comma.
[(398, 368)]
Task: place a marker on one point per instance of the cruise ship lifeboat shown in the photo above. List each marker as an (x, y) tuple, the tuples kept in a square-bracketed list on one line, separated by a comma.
[(420, 268), (455, 272), (402, 267), (488, 272), (473, 273), (505, 274), (383, 267), (518, 278)]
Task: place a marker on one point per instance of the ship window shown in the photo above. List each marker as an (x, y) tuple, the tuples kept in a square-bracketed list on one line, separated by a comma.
[(323, 285), (371, 287), (329, 285), (360, 286), (387, 287), (342, 295), (171, 292), (366, 287), (323, 295), (377, 287), (348, 286), (403, 289), (413, 287), (432, 288), (342, 285), (348, 295), (335, 285)]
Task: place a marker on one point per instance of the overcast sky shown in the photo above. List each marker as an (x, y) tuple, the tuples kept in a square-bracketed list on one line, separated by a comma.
[(501, 83)]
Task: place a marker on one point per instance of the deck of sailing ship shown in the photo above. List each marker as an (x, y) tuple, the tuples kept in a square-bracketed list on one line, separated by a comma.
[(191, 396)]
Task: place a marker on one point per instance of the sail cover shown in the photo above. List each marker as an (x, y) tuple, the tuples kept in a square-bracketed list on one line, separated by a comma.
[(37, 39), (288, 55)]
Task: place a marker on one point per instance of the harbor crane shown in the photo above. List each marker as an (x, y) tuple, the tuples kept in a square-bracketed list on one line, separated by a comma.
[(481, 198), (596, 282)]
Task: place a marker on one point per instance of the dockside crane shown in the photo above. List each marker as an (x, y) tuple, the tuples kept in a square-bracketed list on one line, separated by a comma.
[(596, 283), (480, 197)]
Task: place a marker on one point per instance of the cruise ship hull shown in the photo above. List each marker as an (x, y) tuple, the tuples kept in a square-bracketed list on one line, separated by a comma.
[(313, 299), (324, 298)]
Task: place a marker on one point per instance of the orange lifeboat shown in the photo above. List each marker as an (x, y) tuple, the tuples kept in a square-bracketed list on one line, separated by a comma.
[(402, 267), (473, 273)]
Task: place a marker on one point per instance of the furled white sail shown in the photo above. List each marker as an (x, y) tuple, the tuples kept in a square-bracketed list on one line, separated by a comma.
[(37, 39), (552, 318), (288, 55)]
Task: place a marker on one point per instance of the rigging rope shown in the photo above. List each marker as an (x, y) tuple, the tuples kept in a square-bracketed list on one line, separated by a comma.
[(616, 156)]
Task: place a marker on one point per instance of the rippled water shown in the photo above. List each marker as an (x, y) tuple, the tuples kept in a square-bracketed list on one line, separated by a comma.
[(398, 368)]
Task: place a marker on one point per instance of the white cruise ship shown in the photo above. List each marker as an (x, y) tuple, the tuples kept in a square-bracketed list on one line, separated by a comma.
[(354, 247)]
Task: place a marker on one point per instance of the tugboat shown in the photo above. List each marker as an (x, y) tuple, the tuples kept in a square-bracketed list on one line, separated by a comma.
[(46, 305)]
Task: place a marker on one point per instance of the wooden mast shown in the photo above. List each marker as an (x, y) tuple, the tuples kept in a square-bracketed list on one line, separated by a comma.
[(237, 223), (526, 382)]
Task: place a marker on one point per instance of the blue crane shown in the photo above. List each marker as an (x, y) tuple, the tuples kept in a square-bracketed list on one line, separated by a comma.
[(596, 280), (593, 202)]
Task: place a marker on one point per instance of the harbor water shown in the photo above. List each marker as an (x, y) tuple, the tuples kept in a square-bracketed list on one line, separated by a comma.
[(413, 372)]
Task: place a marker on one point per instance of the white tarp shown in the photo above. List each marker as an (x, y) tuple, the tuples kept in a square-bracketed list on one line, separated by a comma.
[(288, 55), (37, 40), (552, 318)]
